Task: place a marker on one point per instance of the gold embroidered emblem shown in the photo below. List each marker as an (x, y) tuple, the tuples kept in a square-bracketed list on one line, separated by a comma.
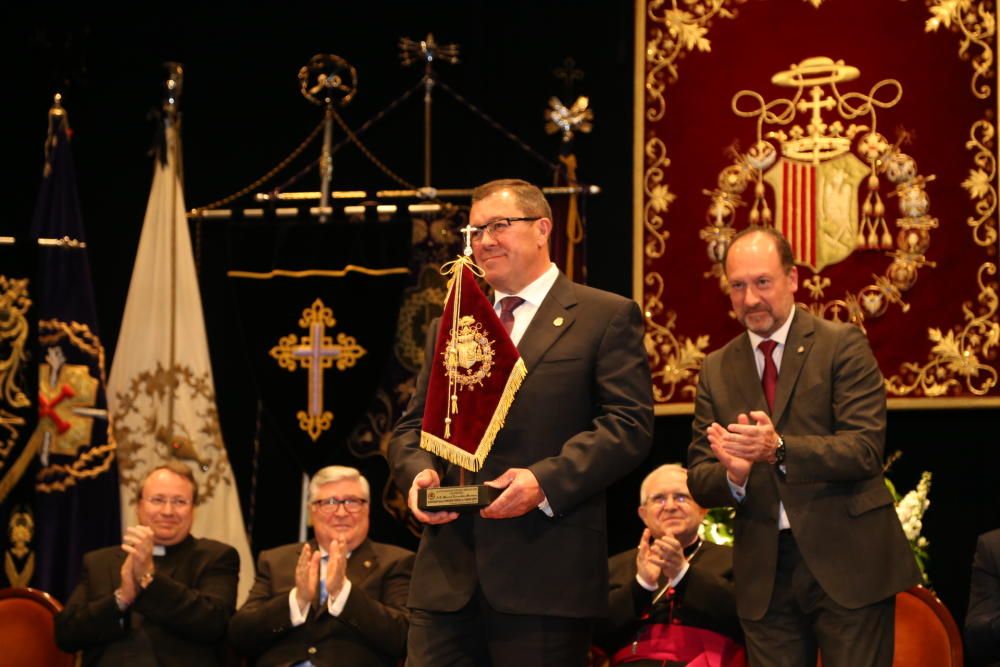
[(14, 304), (316, 352), (67, 400), (63, 389), (21, 531), (468, 356), (817, 181)]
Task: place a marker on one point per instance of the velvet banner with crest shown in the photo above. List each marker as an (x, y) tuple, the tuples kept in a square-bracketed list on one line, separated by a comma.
[(865, 131)]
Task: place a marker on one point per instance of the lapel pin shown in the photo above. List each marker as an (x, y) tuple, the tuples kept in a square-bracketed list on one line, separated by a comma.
[(801, 349), (558, 321), (368, 563)]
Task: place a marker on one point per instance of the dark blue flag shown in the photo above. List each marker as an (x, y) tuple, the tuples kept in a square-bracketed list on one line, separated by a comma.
[(76, 482)]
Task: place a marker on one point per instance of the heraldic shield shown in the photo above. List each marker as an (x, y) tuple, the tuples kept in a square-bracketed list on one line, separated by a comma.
[(825, 172), (816, 207)]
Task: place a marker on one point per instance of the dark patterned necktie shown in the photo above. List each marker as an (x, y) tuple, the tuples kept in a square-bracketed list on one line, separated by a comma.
[(769, 379), (507, 306)]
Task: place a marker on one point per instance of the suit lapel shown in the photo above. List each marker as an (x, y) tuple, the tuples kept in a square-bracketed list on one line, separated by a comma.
[(745, 374), (543, 331), (797, 346), (361, 563)]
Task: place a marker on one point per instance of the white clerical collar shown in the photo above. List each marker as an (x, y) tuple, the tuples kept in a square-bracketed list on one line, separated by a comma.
[(779, 336), (537, 290), (159, 550)]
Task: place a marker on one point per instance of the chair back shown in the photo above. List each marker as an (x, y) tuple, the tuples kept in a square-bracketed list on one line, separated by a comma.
[(926, 633), (27, 630)]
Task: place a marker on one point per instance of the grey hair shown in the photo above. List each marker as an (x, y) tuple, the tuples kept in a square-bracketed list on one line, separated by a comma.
[(337, 474), (643, 495)]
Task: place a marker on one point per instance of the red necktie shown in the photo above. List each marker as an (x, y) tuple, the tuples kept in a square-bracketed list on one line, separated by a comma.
[(769, 379), (507, 306)]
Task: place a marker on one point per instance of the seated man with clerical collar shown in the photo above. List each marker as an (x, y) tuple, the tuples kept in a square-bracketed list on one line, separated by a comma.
[(338, 600), (672, 599), (164, 597)]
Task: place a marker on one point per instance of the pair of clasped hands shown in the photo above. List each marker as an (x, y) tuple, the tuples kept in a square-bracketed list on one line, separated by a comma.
[(522, 493), (138, 566), (663, 556), (742, 444), (307, 572)]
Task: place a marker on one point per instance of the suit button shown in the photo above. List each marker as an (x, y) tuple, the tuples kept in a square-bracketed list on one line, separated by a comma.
[(312, 650)]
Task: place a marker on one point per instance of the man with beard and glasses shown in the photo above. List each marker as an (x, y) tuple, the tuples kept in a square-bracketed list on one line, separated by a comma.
[(789, 426)]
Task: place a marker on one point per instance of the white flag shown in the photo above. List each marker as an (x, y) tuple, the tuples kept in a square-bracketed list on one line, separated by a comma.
[(161, 394)]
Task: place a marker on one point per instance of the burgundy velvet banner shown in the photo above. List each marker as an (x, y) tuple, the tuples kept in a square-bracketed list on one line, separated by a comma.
[(864, 129)]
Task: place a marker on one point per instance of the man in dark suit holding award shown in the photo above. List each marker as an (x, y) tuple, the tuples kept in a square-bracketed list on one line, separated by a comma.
[(162, 598), (518, 582), (672, 598), (337, 601), (790, 425)]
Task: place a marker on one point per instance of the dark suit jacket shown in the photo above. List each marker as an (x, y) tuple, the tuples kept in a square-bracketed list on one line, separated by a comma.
[(371, 630), (180, 619), (982, 623), (829, 406), (704, 598), (582, 419)]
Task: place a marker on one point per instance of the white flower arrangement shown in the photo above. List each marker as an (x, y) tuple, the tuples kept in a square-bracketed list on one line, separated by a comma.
[(910, 510)]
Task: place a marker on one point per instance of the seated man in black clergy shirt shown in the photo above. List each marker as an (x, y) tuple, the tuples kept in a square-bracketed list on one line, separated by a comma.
[(163, 597), (672, 599), (338, 600)]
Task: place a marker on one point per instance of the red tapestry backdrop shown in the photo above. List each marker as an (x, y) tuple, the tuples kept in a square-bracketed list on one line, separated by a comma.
[(860, 129)]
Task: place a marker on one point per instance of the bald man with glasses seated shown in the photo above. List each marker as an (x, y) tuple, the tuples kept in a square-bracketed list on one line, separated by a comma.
[(672, 599), (337, 600)]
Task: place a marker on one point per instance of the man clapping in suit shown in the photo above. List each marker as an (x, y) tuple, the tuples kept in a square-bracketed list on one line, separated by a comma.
[(789, 426), (337, 601), (164, 597)]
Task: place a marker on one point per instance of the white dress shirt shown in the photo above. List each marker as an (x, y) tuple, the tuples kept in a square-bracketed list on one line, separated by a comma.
[(779, 337)]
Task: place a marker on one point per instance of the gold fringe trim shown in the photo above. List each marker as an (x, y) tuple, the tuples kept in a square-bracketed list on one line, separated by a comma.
[(474, 461), (326, 273)]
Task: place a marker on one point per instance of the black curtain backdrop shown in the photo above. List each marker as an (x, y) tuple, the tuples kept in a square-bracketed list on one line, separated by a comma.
[(242, 114)]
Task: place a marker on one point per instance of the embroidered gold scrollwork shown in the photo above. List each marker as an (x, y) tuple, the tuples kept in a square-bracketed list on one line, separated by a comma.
[(976, 22), (675, 360), (981, 183), (957, 355), (682, 30)]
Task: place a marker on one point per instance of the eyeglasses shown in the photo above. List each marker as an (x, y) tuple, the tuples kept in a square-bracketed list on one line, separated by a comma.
[(660, 499), (496, 228), (159, 502), (330, 505)]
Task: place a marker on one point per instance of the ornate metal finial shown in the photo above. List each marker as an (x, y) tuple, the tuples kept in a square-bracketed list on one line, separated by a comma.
[(426, 51), (568, 120), (58, 119), (328, 79)]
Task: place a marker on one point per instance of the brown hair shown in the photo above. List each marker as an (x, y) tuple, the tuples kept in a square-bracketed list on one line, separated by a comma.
[(177, 468), (529, 198)]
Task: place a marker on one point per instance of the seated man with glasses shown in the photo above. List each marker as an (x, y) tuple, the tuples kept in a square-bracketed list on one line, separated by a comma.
[(164, 597), (672, 599), (337, 600)]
